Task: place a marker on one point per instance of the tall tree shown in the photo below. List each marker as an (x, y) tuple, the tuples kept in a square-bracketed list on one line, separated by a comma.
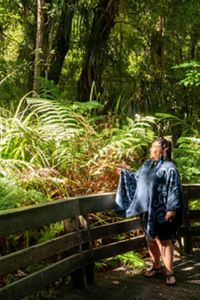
[(39, 44), (62, 40), (96, 55)]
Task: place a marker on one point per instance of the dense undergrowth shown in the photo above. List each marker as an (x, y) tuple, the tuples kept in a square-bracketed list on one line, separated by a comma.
[(50, 151)]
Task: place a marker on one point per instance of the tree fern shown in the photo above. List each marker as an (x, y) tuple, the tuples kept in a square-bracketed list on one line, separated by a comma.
[(128, 142)]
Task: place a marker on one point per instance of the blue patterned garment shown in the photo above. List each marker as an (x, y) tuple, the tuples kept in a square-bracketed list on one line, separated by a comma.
[(152, 191)]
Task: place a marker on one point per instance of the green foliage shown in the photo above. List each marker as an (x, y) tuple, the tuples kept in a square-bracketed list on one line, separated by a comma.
[(19, 141), (195, 204), (49, 90), (130, 259), (12, 195), (192, 77), (187, 146), (50, 232), (60, 151), (168, 123), (188, 158), (60, 120), (142, 50), (192, 73), (128, 142)]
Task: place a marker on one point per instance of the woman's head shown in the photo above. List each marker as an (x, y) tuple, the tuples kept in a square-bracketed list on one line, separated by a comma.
[(161, 149)]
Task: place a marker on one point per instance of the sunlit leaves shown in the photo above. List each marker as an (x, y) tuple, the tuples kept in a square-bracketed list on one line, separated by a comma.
[(192, 73), (128, 142)]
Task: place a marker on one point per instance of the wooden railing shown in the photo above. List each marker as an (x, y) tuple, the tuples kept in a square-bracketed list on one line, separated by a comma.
[(77, 249)]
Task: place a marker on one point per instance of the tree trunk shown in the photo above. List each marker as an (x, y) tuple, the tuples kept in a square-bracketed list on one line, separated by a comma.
[(96, 54), (158, 45), (39, 44), (48, 25), (62, 40), (193, 42)]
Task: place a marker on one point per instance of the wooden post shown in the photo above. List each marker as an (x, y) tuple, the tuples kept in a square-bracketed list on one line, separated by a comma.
[(89, 269), (187, 226), (84, 275), (2, 252), (78, 277)]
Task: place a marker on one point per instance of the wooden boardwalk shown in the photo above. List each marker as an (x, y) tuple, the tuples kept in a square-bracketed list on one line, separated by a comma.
[(76, 249), (120, 284)]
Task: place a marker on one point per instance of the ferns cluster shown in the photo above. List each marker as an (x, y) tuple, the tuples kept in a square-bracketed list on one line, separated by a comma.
[(62, 150)]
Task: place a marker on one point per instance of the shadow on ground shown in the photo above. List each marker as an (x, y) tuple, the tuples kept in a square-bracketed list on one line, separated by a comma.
[(122, 285)]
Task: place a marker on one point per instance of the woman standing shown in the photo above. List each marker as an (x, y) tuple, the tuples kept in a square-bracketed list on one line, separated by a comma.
[(154, 192)]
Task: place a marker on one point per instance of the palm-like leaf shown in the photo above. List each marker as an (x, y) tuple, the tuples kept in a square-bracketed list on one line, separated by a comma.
[(57, 120), (128, 142)]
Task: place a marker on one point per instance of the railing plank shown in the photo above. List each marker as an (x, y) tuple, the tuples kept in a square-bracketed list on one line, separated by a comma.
[(119, 247), (20, 259), (195, 230), (41, 279), (50, 274), (25, 218), (114, 228), (28, 218), (191, 191), (36, 253), (97, 203), (194, 214)]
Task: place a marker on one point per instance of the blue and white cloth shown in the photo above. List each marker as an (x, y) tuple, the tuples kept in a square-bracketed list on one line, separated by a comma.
[(154, 189)]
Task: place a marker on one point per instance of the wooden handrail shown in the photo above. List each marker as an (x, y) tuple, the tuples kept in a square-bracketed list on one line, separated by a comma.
[(20, 220)]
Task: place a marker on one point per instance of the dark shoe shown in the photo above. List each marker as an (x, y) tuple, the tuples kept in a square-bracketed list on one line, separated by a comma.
[(153, 272), (170, 279)]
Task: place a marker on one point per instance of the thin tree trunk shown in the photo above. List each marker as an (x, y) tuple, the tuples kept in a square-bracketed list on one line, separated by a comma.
[(39, 44), (48, 25), (96, 54), (62, 40), (158, 45), (193, 41)]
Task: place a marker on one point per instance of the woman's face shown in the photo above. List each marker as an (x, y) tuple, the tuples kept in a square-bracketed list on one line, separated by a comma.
[(156, 151)]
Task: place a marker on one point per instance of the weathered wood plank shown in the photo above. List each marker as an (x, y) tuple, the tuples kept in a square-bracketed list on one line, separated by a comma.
[(36, 253), (97, 203), (50, 274), (194, 214), (41, 279), (33, 217), (25, 218), (119, 247), (20, 259), (191, 191), (195, 230), (114, 228)]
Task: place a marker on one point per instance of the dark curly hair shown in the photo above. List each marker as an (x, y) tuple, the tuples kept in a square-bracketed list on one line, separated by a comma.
[(167, 147)]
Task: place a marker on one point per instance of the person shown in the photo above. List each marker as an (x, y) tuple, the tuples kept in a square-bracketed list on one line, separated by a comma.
[(154, 192)]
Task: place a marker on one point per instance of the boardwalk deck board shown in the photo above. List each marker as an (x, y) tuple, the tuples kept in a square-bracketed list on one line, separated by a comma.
[(125, 286), (87, 251)]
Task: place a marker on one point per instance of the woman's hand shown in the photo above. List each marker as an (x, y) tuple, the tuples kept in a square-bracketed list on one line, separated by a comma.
[(124, 165), (169, 216), (119, 170)]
